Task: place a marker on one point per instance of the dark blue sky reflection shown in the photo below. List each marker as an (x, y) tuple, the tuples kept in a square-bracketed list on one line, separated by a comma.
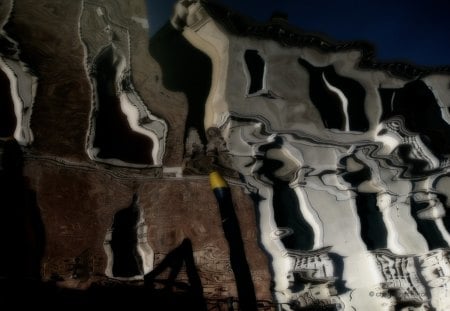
[(417, 31)]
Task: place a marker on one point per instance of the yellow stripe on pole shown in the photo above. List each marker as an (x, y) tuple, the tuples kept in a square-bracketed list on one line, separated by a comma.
[(217, 181)]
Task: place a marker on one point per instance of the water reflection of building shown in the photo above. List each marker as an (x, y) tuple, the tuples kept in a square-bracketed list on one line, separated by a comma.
[(313, 278), (401, 275), (435, 269)]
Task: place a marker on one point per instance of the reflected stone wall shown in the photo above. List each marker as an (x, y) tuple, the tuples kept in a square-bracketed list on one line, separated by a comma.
[(106, 129), (346, 158), (338, 165)]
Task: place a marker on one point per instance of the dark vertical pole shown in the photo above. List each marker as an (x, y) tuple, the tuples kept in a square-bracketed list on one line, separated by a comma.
[(241, 270)]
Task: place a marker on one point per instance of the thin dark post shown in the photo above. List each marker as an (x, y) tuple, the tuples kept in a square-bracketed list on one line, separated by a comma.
[(241, 270)]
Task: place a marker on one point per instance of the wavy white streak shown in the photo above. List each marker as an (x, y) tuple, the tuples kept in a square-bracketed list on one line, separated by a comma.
[(22, 87), (132, 114), (310, 216), (281, 263), (144, 249), (134, 109), (443, 230), (342, 97)]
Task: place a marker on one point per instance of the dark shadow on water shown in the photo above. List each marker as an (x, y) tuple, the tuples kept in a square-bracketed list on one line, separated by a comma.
[(156, 294), (126, 260), (111, 295), (22, 234), (184, 69), (174, 261), (238, 259), (338, 264)]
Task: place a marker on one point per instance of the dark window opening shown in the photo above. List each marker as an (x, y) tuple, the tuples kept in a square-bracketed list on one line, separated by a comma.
[(419, 109), (329, 104), (373, 229), (414, 166), (355, 94), (113, 135), (446, 218), (8, 119), (255, 65), (427, 227), (286, 207), (126, 260)]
